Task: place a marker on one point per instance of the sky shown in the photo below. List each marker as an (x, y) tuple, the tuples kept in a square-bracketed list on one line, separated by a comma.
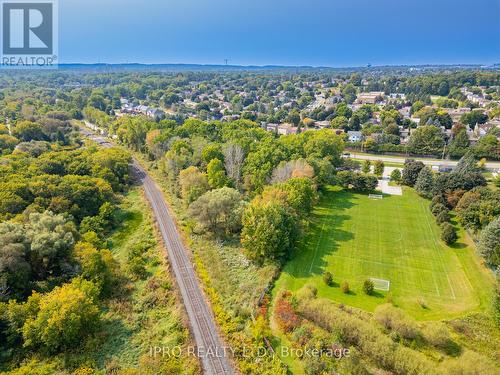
[(336, 33)]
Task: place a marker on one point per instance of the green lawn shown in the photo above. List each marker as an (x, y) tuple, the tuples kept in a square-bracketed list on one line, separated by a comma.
[(395, 239)]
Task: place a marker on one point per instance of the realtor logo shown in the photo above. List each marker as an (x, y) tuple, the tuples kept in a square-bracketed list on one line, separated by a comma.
[(29, 31)]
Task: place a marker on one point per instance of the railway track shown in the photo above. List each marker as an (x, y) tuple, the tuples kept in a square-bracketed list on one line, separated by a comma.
[(209, 347)]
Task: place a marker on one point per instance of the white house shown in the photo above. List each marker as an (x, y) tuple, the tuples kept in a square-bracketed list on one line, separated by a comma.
[(354, 136), (286, 129)]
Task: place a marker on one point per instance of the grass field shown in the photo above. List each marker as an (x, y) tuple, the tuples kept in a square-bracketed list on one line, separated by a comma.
[(140, 315), (395, 239)]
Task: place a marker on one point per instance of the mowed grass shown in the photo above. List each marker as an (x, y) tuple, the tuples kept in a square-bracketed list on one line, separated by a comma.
[(396, 239)]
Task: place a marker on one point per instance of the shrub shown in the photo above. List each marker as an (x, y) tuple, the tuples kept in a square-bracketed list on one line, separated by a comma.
[(367, 338), (84, 370), (396, 176), (303, 335), (366, 166), (394, 319), (328, 278), (285, 315), (34, 367), (137, 268), (468, 363), (448, 233), (345, 178), (368, 287), (436, 334), (308, 291), (356, 181), (345, 287)]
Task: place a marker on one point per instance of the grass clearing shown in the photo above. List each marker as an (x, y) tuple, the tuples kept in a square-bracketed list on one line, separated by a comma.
[(395, 239), (145, 311)]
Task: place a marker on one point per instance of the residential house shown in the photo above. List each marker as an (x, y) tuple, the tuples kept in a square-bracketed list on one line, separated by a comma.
[(404, 135), (155, 113), (405, 112), (456, 113), (286, 129), (229, 118), (322, 124), (397, 96), (372, 97), (354, 136), (271, 128), (473, 138), (482, 129), (142, 109)]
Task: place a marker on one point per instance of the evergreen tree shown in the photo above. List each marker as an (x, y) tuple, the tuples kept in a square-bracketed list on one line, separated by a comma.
[(467, 164), (425, 182), (489, 242), (378, 168), (366, 166), (459, 144)]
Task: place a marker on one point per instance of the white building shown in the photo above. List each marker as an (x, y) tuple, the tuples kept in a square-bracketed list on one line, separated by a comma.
[(354, 136)]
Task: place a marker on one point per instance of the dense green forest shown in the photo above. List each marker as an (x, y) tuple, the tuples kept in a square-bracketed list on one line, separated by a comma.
[(72, 269)]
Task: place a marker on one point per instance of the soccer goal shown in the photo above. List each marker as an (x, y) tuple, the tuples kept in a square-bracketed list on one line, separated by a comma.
[(375, 196), (381, 284)]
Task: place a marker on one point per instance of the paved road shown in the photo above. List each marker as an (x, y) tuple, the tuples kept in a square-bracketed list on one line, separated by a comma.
[(208, 342), (399, 159)]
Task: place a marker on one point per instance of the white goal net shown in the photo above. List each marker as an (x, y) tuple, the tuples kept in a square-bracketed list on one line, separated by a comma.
[(381, 284), (375, 196)]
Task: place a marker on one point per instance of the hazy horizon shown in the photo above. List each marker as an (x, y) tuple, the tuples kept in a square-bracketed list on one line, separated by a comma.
[(277, 65)]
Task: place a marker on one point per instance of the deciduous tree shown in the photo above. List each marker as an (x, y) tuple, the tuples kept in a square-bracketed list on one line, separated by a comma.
[(193, 184), (410, 172), (219, 209), (65, 317), (216, 174), (269, 230)]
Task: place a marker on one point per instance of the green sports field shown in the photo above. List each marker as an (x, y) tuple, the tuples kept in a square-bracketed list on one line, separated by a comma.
[(395, 239)]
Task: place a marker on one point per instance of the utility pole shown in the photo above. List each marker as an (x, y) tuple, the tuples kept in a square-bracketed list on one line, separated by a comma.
[(444, 150)]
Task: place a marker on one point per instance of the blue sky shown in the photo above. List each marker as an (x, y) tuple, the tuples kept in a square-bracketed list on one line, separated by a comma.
[(282, 32)]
